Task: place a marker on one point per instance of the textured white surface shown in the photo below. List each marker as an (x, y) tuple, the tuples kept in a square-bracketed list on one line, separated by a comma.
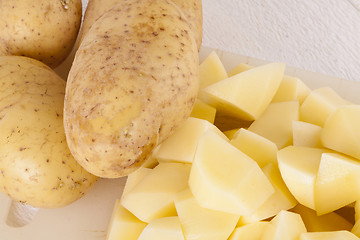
[(321, 36)]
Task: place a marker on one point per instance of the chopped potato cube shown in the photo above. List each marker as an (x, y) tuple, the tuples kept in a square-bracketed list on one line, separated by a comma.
[(319, 105), (211, 70), (225, 179), (275, 123), (153, 197), (162, 229), (200, 223), (245, 95), (123, 224), (249, 143), (203, 111)]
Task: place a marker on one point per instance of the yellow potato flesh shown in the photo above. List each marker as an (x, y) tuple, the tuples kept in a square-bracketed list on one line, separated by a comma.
[(225, 179), (123, 224), (251, 231), (211, 71), (299, 167), (291, 89), (181, 146), (200, 223), (337, 182), (247, 94), (203, 111), (286, 225), (162, 229), (306, 134), (281, 199), (250, 143), (153, 197), (342, 131), (334, 235), (326, 222), (319, 105), (275, 123)]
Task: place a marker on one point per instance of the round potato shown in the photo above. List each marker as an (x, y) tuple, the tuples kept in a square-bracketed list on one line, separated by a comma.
[(41, 29), (36, 166), (192, 10), (134, 80)]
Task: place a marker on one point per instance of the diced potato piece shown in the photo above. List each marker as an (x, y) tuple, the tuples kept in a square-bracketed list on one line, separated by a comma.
[(299, 167), (134, 178), (333, 235), (249, 143), (203, 111), (230, 133), (286, 225), (245, 95), (200, 223), (251, 231), (242, 67), (319, 104), (225, 179), (123, 224), (153, 196), (181, 145), (275, 123), (211, 70), (356, 228), (337, 182), (162, 229), (357, 210), (342, 131), (327, 222), (281, 199), (291, 89), (306, 134)]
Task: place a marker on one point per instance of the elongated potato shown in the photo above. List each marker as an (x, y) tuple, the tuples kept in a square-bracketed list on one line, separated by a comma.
[(192, 10), (133, 81), (43, 29), (36, 166)]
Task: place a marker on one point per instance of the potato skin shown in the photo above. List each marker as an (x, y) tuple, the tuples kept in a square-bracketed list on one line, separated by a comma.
[(192, 10), (36, 166), (133, 81), (45, 30)]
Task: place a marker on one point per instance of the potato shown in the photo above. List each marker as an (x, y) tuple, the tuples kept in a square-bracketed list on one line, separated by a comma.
[(192, 10), (134, 80), (36, 166), (42, 29)]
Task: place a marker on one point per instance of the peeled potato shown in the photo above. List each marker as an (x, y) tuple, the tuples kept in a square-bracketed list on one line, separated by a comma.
[(42, 29), (36, 166)]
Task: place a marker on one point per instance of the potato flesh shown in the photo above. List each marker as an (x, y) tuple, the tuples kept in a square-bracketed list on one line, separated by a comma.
[(162, 229), (45, 31), (300, 171), (141, 85), (36, 165)]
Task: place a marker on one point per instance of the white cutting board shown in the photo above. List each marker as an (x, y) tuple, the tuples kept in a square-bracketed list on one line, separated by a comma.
[(88, 218)]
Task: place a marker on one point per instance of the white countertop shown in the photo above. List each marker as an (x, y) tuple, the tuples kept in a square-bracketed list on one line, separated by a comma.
[(321, 36)]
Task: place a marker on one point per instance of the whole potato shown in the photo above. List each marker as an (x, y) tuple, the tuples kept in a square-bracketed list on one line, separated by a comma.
[(133, 81), (192, 10), (42, 29), (36, 166)]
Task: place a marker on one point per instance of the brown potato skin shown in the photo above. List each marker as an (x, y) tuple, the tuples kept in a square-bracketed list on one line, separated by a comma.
[(192, 10), (134, 80), (45, 30)]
